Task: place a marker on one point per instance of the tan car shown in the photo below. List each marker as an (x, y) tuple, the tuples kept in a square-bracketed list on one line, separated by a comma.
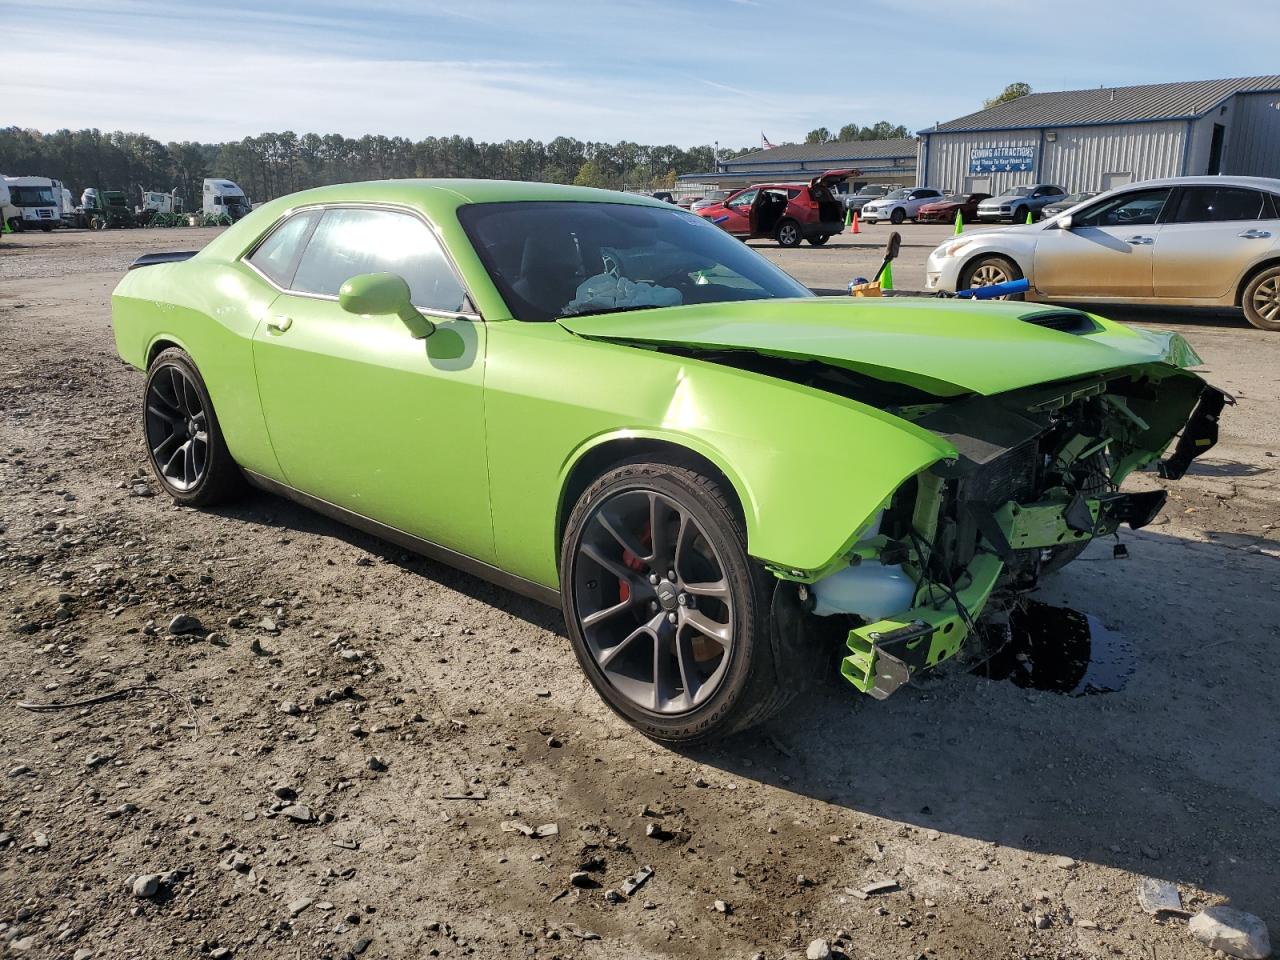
[(1184, 241)]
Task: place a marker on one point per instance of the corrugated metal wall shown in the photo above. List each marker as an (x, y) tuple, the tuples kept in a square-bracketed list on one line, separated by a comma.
[(1080, 158), (949, 160), (1253, 139), (1094, 158)]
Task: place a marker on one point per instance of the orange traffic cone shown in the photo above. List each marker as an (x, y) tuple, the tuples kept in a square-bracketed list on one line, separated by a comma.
[(855, 222)]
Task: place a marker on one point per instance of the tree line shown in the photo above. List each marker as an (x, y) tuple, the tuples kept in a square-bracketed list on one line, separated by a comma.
[(275, 164), (884, 130)]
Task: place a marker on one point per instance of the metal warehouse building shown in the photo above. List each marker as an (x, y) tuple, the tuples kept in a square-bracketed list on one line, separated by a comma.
[(877, 161), (1103, 138)]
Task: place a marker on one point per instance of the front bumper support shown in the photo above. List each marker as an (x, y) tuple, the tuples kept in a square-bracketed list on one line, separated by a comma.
[(886, 653)]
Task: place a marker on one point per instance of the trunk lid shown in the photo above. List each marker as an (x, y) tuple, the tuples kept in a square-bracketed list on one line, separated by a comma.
[(832, 177), (945, 347)]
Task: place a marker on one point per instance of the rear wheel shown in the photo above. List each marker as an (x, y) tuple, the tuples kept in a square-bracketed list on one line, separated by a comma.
[(897, 216), (820, 239), (184, 442), (1019, 215), (985, 271), (788, 234), (1261, 300), (668, 615)]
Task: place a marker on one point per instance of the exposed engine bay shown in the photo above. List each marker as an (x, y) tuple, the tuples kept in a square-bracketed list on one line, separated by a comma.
[(1035, 480)]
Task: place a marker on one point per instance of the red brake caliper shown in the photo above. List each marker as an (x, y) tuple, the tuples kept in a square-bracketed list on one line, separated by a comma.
[(634, 562)]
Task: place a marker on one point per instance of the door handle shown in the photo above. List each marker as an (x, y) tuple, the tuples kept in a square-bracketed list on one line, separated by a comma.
[(1255, 234), (1139, 241), (279, 323)]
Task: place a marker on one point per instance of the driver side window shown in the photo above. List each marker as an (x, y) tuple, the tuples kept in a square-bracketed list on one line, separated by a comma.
[(1140, 208), (350, 241)]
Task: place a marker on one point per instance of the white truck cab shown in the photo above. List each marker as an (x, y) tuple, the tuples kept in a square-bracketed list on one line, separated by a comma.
[(224, 197), (32, 203)]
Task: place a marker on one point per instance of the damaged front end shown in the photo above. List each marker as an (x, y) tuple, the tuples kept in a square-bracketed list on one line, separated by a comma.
[(1036, 477)]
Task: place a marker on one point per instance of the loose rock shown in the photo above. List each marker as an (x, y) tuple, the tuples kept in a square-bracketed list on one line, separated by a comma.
[(146, 886), (1234, 932), (818, 950), (184, 623)]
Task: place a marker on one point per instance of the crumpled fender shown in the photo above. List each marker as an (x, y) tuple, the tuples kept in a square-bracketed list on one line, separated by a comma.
[(809, 474)]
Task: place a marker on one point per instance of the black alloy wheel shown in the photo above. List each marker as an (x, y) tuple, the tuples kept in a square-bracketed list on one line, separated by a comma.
[(177, 429), (668, 614), (654, 604), (184, 442)]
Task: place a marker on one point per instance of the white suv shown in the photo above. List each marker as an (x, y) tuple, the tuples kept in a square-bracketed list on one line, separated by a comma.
[(900, 205)]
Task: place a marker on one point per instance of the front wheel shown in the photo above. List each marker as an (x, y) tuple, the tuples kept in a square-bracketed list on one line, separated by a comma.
[(184, 442), (897, 216), (985, 271), (668, 615), (788, 234), (1261, 300), (820, 239)]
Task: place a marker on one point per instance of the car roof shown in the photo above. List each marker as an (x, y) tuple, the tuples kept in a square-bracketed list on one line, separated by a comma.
[(1256, 183), (437, 199)]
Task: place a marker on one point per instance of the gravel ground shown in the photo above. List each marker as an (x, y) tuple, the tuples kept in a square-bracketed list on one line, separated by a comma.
[(342, 757)]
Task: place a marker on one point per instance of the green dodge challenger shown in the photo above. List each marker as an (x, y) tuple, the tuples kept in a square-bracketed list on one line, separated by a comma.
[(609, 404)]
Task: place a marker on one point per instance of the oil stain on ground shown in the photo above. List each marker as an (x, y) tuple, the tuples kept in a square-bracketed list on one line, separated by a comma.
[(1058, 649)]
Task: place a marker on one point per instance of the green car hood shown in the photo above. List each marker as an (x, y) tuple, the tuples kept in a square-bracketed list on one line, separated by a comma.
[(946, 347)]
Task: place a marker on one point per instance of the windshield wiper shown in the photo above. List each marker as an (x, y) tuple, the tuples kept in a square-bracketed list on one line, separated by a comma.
[(599, 310)]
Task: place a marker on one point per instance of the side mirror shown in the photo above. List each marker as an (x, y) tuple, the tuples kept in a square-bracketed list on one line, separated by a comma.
[(1065, 222), (383, 294)]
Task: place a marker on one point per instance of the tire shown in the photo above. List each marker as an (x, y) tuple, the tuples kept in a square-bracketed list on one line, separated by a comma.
[(819, 240), (617, 615), (1261, 300), (1019, 216), (16, 224), (788, 234), (192, 465), (984, 271), (897, 216)]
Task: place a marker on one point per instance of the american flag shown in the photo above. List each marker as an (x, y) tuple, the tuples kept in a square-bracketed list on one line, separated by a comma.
[(764, 142)]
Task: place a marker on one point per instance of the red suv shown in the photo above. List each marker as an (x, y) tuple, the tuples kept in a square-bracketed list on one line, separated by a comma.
[(787, 212)]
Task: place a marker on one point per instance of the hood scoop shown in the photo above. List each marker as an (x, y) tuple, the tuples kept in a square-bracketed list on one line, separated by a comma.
[(1064, 321)]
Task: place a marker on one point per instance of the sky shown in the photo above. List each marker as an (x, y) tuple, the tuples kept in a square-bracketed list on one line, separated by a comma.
[(682, 72)]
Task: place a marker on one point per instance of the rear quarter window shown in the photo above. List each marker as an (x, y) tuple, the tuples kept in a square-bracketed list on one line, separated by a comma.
[(276, 257)]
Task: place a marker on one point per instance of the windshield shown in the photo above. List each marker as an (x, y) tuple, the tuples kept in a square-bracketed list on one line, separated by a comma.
[(898, 194), (870, 191), (552, 259), (31, 196), (1017, 192), (1073, 199)]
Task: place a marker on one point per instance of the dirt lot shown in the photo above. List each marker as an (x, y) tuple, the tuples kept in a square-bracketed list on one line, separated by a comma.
[(1015, 822)]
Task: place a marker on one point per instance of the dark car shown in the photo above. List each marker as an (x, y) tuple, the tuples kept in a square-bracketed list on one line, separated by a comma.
[(786, 212), (1066, 203), (666, 195), (945, 210), (854, 202)]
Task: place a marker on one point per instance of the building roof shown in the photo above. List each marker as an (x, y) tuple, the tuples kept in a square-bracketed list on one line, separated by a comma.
[(852, 150), (1184, 100)]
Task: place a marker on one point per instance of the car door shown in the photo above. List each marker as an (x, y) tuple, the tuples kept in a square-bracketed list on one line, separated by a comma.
[(360, 413), (1107, 252), (737, 213), (1212, 235)]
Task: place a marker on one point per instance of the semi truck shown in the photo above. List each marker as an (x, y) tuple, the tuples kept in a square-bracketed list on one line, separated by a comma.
[(32, 204), (224, 198)]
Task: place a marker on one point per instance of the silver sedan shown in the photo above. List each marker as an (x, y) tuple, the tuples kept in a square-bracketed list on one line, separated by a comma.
[(1184, 241)]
